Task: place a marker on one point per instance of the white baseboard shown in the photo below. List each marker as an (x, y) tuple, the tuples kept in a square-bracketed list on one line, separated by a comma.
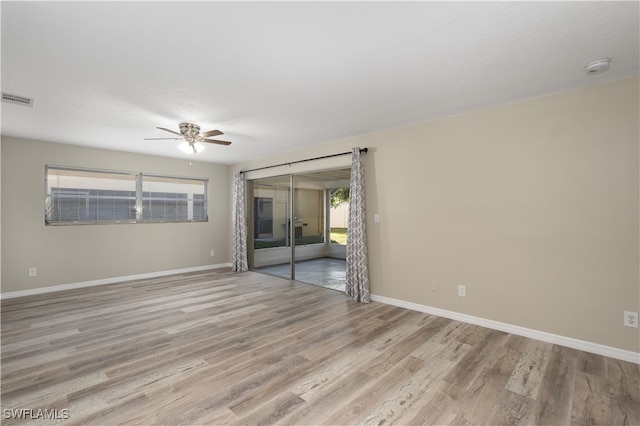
[(569, 342), (71, 286)]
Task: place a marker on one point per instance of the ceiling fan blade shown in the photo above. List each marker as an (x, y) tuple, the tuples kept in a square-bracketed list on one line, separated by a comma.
[(158, 139), (216, 141), (170, 131), (211, 133)]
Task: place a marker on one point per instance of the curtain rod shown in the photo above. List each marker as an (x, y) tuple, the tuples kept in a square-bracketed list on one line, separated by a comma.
[(302, 161)]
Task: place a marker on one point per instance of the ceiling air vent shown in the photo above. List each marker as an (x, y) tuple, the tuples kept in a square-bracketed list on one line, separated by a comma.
[(15, 99)]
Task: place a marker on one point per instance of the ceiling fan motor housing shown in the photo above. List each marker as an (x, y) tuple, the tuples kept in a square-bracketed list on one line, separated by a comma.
[(189, 129)]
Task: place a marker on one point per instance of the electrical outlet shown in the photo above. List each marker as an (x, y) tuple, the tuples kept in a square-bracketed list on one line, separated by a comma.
[(213, 253), (631, 319), (435, 286), (462, 290), (33, 272)]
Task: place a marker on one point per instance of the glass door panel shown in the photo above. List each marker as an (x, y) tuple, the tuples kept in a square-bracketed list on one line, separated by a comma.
[(309, 221), (269, 248), (317, 260)]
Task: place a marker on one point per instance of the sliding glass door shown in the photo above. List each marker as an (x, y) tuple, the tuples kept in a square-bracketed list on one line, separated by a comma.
[(293, 236)]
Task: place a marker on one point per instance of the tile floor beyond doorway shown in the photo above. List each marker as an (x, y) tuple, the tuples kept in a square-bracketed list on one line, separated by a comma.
[(326, 272)]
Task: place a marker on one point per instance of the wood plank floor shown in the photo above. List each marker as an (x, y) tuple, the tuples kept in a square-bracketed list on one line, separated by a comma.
[(223, 348)]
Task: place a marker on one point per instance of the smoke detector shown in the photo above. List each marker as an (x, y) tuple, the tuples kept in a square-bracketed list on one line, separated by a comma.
[(598, 66)]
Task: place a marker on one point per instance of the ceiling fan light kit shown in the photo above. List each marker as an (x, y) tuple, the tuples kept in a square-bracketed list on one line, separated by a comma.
[(191, 147), (192, 140)]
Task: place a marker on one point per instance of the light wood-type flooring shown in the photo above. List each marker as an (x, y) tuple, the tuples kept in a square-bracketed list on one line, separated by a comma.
[(218, 347)]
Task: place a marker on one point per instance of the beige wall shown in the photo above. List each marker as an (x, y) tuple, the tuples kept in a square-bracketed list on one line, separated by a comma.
[(533, 206), (71, 254)]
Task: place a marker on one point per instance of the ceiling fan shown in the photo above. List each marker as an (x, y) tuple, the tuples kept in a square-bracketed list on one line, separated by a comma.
[(192, 138)]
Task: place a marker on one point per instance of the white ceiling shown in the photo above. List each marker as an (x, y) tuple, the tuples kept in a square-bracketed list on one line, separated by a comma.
[(276, 77)]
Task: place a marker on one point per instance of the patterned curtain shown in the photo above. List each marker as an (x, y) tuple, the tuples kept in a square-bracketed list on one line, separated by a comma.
[(239, 261), (357, 271)]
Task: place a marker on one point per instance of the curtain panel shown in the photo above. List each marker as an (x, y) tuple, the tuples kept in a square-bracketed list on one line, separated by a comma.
[(357, 257), (239, 256)]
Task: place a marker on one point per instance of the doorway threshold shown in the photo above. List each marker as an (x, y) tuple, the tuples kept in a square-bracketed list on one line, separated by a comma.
[(325, 272)]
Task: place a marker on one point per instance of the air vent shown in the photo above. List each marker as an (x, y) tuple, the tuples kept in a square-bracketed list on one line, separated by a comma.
[(15, 99)]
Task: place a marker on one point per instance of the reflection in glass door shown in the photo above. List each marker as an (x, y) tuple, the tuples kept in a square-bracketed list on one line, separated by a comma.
[(300, 220), (269, 245), (263, 222)]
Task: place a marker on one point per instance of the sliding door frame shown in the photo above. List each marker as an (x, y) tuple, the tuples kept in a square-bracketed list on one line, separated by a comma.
[(292, 228)]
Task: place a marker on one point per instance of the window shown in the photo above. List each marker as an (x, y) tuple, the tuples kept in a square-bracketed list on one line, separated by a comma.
[(168, 199), (84, 196)]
